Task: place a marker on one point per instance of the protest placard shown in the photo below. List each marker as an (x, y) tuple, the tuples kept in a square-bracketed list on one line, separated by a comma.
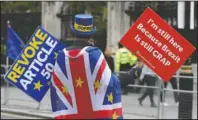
[(31, 71), (157, 44)]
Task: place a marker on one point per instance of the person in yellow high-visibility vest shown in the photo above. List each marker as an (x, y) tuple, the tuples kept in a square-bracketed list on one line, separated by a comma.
[(134, 60), (124, 59)]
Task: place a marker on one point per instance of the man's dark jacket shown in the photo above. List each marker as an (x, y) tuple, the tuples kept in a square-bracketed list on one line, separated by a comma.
[(110, 62)]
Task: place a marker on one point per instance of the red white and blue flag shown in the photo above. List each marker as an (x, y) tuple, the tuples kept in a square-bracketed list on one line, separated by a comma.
[(83, 86)]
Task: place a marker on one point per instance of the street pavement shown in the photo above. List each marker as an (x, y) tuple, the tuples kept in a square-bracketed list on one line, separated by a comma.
[(20, 102), (14, 117)]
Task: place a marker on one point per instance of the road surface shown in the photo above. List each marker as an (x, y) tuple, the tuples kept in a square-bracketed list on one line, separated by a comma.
[(14, 116)]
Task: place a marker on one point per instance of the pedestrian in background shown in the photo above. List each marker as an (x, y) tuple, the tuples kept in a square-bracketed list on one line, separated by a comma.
[(139, 65), (124, 61), (134, 60), (148, 77), (173, 82), (109, 59), (131, 75)]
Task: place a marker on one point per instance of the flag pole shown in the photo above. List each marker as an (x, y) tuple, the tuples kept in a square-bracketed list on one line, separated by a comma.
[(7, 66), (39, 106), (7, 84)]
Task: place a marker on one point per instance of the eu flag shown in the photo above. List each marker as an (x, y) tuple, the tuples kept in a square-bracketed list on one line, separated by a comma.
[(14, 44)]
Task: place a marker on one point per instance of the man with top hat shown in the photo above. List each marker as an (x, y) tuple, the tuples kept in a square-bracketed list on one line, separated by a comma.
[(83, 86)]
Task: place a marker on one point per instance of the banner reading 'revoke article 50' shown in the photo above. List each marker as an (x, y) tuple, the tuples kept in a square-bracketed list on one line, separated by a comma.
[(31, 71)]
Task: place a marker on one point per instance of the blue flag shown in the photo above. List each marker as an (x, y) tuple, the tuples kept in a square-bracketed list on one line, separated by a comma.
[(32, 70), (14, 44)]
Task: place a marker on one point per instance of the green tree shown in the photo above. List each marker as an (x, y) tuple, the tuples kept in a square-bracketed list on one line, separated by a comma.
[(156, 5), (16, 6), (3, 49)]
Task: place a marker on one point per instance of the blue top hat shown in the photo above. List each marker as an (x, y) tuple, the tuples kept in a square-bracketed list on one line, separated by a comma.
[(83, 25)]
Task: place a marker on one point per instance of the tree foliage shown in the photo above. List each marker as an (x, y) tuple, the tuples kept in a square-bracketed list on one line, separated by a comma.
[(161, 7), (97, 9), (3, 49), (156, 5), (16, 6)]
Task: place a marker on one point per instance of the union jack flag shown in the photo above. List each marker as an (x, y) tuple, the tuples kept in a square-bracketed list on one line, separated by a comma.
[(83, 86)]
